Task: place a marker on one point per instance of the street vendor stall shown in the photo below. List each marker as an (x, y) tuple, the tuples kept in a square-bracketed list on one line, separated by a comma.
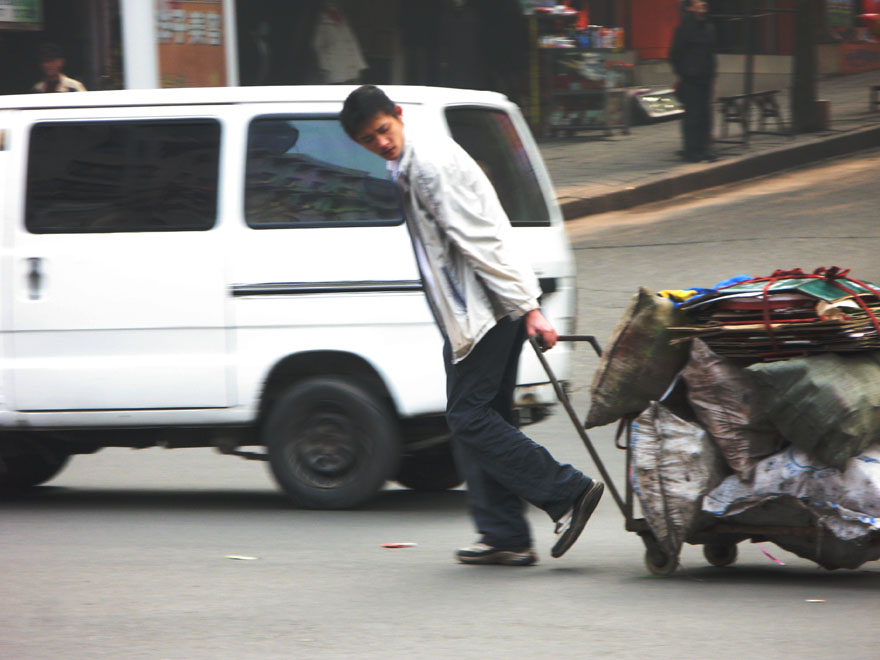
[(581, 78)]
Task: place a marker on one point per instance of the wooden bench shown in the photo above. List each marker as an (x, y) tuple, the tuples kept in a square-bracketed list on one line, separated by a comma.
[(736, 110), (874, 97)]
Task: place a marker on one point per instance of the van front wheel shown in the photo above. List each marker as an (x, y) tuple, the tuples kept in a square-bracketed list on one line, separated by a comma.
[(331, 444), (29, 468)]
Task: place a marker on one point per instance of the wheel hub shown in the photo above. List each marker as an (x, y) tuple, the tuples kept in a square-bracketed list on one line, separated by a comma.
[(326, 448)]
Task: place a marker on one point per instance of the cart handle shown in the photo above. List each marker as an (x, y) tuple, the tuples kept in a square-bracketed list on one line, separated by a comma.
[(566, 403), (590, 338)]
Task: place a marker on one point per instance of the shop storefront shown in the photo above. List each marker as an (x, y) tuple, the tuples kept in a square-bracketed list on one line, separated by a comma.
[(190, 42), (85, 31), (517, 47), (315, 41), (855, 26), (580, 73), (479, 44)]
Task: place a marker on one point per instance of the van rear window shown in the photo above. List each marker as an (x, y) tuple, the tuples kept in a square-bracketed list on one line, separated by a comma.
[(490, 137), (122, 176), (306, 172)]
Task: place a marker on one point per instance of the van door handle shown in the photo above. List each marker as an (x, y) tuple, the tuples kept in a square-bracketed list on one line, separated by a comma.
[(35, 277)]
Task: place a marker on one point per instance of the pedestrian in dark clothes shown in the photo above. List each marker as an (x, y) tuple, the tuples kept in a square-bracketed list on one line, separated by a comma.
[(484, 296), (693, 60)]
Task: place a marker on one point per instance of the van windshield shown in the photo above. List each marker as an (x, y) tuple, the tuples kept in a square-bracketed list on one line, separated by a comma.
[(490, 137)]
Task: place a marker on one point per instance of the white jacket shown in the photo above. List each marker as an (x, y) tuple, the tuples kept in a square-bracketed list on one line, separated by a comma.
[(65, 84), (471, 272)]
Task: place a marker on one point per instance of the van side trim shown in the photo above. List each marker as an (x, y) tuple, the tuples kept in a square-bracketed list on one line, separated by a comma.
[(299, 288), (548, 285)]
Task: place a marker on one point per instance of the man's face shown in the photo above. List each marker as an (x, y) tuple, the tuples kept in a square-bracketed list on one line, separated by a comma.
[(52, 68), (699, 7), (383, 135)]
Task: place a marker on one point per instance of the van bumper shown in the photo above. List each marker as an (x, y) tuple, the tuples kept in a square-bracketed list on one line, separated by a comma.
[(533, 403)]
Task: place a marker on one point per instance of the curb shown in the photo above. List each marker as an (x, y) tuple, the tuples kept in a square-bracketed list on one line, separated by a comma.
[(744, 167)]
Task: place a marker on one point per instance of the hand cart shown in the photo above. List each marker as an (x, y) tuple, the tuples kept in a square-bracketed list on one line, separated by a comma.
[(719, 541)]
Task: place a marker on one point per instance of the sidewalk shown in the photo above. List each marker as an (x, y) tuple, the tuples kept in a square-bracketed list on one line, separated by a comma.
[(594, 174)]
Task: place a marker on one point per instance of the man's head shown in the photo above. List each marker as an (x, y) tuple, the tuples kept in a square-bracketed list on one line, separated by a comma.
[(373, 121), (697, 7), (51, 60)]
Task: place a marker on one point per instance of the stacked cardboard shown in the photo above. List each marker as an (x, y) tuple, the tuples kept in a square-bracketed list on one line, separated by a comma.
[(786, 314)]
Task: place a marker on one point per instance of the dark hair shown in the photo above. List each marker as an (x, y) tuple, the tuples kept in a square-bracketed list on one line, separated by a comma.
[(50, 52), (362, 105)]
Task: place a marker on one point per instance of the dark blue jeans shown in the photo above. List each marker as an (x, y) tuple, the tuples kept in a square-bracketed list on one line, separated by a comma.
[(696, 125), (502, 467)]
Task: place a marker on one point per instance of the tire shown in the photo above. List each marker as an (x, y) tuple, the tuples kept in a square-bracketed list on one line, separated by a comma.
[(432, 470), (331, 444), (720, 554), (29, 469), (660, 563), (657, 560)]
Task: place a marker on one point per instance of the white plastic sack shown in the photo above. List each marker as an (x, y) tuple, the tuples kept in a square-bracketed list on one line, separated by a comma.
[(846, 502), (674, 463), (792, 490)]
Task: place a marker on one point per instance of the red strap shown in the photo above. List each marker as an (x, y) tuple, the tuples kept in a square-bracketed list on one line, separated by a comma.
[(832, 275)]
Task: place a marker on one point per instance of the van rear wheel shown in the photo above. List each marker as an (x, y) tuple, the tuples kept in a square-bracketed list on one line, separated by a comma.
[(331, 443)]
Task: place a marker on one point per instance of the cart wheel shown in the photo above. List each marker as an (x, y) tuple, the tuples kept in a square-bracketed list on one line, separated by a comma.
[(720, 554), (660, 563)]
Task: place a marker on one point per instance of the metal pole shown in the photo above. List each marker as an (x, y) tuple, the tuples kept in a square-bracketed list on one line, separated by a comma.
[(140, 56), (230, 41), (803, 97), (749, 80), (534, 76)]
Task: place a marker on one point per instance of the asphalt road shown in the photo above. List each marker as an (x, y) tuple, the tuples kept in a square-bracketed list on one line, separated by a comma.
[(188, 555)]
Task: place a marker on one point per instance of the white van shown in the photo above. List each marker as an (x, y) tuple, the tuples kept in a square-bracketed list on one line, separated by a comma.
[(225, 268)]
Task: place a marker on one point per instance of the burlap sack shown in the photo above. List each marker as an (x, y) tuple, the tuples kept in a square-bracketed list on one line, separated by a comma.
[(637, 364), (724, 400), (826, 405)]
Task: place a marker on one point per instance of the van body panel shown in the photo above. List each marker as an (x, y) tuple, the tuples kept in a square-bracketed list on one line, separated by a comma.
[(110, 321), (156, 100), (183, 418), (7, 210)]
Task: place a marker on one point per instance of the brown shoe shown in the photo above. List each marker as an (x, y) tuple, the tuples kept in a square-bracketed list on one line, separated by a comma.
[(481, 553), (570, 526)]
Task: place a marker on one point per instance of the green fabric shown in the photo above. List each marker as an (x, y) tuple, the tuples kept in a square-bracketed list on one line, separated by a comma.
[(826, 405), (818, 288)]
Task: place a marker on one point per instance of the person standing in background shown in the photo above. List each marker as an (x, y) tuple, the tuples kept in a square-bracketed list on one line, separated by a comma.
[(339, 54), (52, 62), (693, 60)]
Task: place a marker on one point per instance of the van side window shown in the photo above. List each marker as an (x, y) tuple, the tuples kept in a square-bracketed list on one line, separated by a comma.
[(122, 176), (490, 137), (306, 172)]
